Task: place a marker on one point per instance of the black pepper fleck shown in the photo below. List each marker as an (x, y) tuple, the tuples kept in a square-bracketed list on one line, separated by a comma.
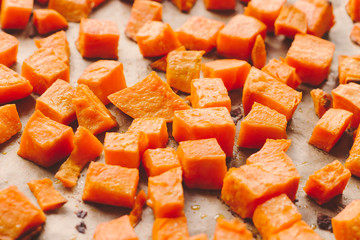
[(81, 214), (236, 114), (81, 228), (324, 222)]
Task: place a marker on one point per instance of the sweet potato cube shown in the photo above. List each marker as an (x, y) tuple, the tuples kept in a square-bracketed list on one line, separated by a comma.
[(8, 49), (98, 39), (346, 223), (72, 10), (12, 85), (237, 38), (87, 148), (161, 64), (97, 3), (156, 39), (104, 77), (275, 215), (17, 214), (184, 5), (117, 229), (91, 113), (311, 57), (233, 72), (154, 128), (9, 122), (329, 128), (262, 88), (201, 236), (258, 53), (290, 22), (353, 9), (142, 12), (150, 97), (201, 123), (199, 33), (43, 68), (112, 185), (353, 161), (220, 4), (166, 194), (355, 33), (322, 101), (170, 228), (349, 69), (42, 2), (271, 148), (48, 20), (136, 212), (56, 102), (282, 72), (200, 157), (298, 231), (234, 229), (319, 15), (266, 11), (182, 68), (160, 160), (260, 124), (209, 92), (15, 14)]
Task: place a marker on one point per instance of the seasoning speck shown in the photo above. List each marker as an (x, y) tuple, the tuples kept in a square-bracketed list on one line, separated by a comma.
[(81, 227), (195, 207), (81, 214), (219, 216), (324, 222), (236, 114)]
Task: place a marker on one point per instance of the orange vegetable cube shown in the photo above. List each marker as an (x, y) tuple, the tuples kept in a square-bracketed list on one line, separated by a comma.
[(117, 229), (170, 228), (9, 122), (72, 10), (136, 212), (322, 101), (87, 148), (290, 22), (8, 49), (97, 3), (12, 85), (233, 72), (237, 38), (98, 39), (353, 9), (48, 20), (160, 160), (156, 39), (355, 33), (201, 123), (56, 102), (329, 128), (298, 231), (17, 214), (234, 229), (349, 69), (161, 64), (91, 113), (319, 15), (346, 223), (104, 77), (199, 33), (275, 215), (200, 157), (43, 68), (220, 4), (258, 53), (182, 68), (209, 92), (184, 5), (271, 148), (15, 14), (150, 97), (42, 2), (282, 72), (112, 185), (353, 161), (262, 88), (154, 128), (166, 194), (260, 124), (45, 141), (201, 236), (311, 57)]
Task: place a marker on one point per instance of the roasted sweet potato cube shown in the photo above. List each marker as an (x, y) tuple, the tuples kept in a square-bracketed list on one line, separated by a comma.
[(349, 69), (9, 122), (161, 64), (220, 4), (201, 236), (48, 20), (329, 128), (116, 229), (233, 229), (355, 33), (112, 185), (271, 148), (353, 9), (43, 68), (353, 161), (72, 10), (160, 160), (346, 224), (233, 72), (17, 214), (184, 5), (136, 213), (170, 228), (42, 2), (8, 49), (201, 123), (58, 43), (298, 231), (290, 22), (15, 14), (258, 53), (237, 38), (322, 101), (104, 77), (97, 3), (262, 88), (260, 124)]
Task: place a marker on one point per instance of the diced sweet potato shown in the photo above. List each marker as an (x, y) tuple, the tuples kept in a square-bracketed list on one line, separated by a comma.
[(270, 148), (9, 122), (237, 38), (150, 97), (311, 57), (355, 32), (329, 128), (117, 229), (8, 49), (262, 88), (258, 53), (220, 4), (353, 9), (48, 20), (260, 124), (17, 214), (136, 212), (322, 101), (97, 3), (104, 77), (161, 64), (234, 229), (87, 148), (72, 10), (199, 33), (184, 5), (15, 14), (204, 123), (112, 185), (42, 2), (45, 141), (298, 231), (201, 236), (233, 72), (170, 228), (353, 161), (160, 160), (198, 158), (91, 113), (349, 69), (290, 22), (56, 102), (346, 224)]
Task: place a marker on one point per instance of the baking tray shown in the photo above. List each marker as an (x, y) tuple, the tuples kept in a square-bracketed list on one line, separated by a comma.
[(201, 207)]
